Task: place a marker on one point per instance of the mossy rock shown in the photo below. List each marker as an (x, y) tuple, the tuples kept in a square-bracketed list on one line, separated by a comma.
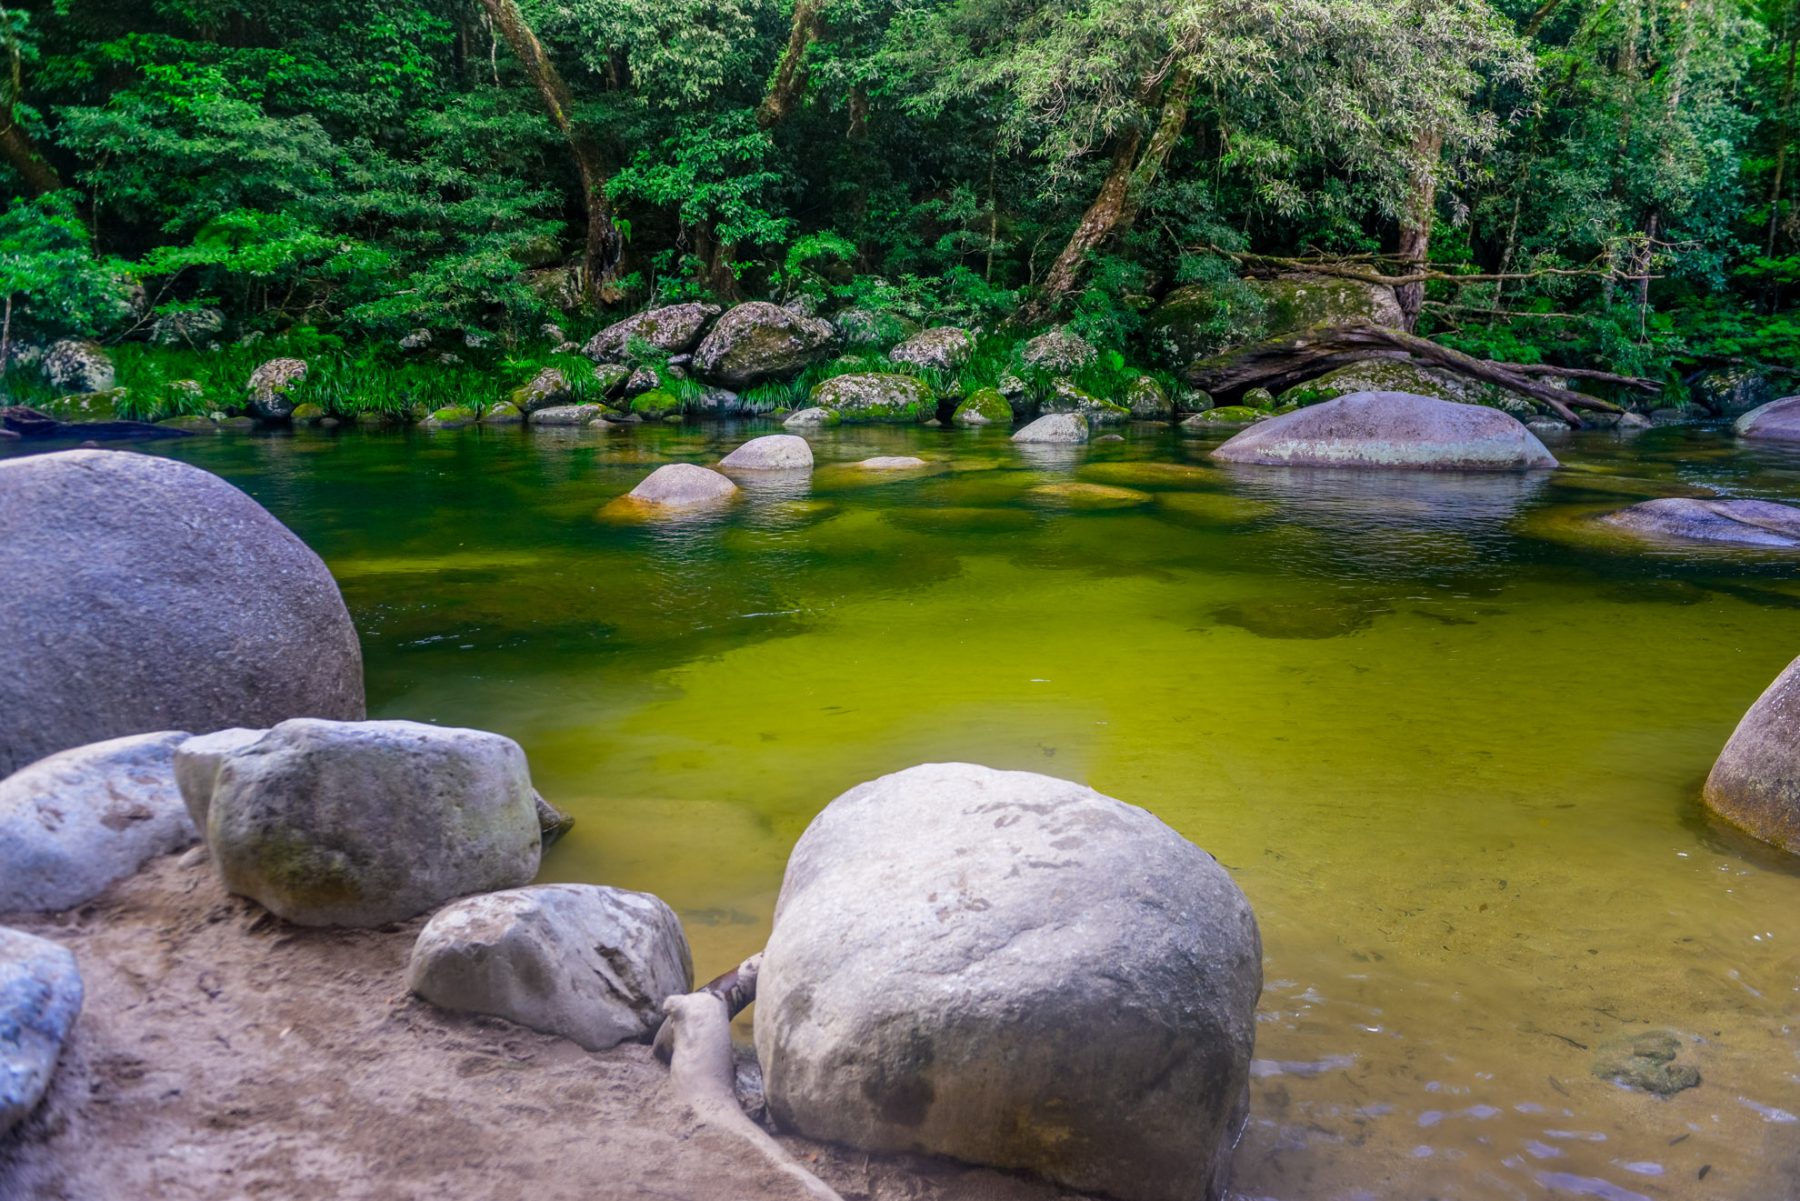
[(1214, 508), (308, 414), (1260, 399), (504, 413), (1079, 495), (1148, 474), (235, 425), (451, 417), (1200, 320), (1225, 416), (1646, 1061), (1147, 400), (610, 377), (1392, 375), (876, 397), (985, 406), (192, 423), (88, 406), (656, 404), (1065, 397)]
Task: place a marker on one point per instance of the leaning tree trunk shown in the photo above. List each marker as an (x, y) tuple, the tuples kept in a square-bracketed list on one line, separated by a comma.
[(1415, 229), (1279, 363), (1121, 195), (600, 257), (789, 81)]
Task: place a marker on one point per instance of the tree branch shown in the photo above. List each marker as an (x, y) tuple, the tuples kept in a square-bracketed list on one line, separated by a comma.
[(1337, 269)]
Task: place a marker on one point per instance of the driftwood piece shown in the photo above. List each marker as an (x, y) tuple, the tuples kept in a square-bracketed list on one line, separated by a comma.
[(695, 1041), (1281, 362)]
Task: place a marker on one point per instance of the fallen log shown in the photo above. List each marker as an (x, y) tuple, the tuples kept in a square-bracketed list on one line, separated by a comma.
[(1281, 362), (695, 1041)]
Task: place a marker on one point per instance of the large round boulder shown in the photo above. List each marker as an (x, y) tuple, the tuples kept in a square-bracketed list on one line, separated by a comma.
[(1777, 421), (678, 486), (1390, 429), (74, 822), (331, 823), (143, 594), (1759, 523), (771, 452), (672, 329), (40, 996), (1755, 784), (1057, 427), (1017, 971), (590, 963), (940, 348), (74, 365), (876, 397), (759, 341), (1199, 320)]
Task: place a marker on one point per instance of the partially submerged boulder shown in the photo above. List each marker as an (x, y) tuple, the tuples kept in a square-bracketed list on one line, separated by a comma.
[(77, 821), (681, 486), (159, 597), (758, 341), (673, 329), (940, 348), (1758, 523), (1016, 971), (1390, 429), (892, 463), (874, 396), (772, 452), (1057, 427), (984, 406), (1755, 784), (813, 417), (1777, 421), (40, 996), (1065, 397), (566, 414), (330, 823), (271, 388), (589, 963)]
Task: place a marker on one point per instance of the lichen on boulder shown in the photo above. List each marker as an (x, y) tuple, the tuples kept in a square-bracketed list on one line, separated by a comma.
[(876, 397)]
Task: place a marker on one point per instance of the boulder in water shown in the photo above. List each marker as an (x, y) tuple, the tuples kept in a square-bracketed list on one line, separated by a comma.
[(40, 996), (1755, 784), (985, 406), (1760, 523), (547, 388), (1777, 421), (1390, 429), (329, 823), (1016, 971), (682, 486), (772, 452), (157, 597), (874, 396), (589, 963), (811, 418), (74, 822), (1057, 427)]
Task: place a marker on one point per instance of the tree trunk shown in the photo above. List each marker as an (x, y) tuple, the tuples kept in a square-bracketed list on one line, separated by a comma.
[(600, 257), (38, 175), (1415, 228), (1282, 362), (1121, 195), (789, 81)]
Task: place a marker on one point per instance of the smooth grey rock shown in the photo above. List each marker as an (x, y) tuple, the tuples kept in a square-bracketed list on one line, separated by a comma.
[(940, 348), (892, 463), (589, 963), (271, 387), (1016, 971), (1057, 427), (1755, 783), (40, 996), (811, 418), (144, 594), (196, 767), (757, 341), (76, 365), (1390, 429), (362, 823), (73, 823), (673, 328), (566, 415), (1726, 522), (683, 486), (772, 452), (1777, 421)]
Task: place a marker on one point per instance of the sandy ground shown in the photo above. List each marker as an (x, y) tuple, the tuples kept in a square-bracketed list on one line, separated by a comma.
[(223, 1054)]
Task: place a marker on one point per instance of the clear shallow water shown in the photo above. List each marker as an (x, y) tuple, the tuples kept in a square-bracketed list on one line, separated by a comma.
[(1448, 742)]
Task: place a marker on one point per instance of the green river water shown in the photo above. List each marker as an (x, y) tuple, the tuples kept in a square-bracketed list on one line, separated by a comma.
[(1449, 743)]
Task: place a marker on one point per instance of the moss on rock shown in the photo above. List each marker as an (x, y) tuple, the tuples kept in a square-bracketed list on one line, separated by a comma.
[(985, 406)]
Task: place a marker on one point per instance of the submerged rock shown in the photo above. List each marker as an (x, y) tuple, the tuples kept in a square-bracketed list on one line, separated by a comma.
[(892, 463), (161, 598), (40, 996), (1646, 1061), (875, 396), (1777, 421), (1755, 784), (1065, 397), (589, 963), (1721, 522), (1057, 427), (940, 348), (330, 823), (674, 328), (1390, 430), (450, 417), (1015, 971), (1081, 495), (772, 452), (566, 415), (271, 387), (73, 823), (811, 418), (757, 341)]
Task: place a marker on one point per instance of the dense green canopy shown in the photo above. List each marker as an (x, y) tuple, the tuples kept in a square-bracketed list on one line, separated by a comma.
[(376, 166)]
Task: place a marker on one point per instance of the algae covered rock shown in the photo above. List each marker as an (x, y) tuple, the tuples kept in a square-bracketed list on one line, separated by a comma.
[(547, 388), (1147, 400), (1224, 415), (1065, 397), (40, 997), (656, 405), (1199, 320), (757, 341), (1390, 430), (940, 348), (673, 329), (1420, 379), (1058, 352), (450, 417), (271, 387), (876, 397), (309, 414), (1016, 971), (74, 822), (504, 413), (984, 406), (1755, 783), (110, 556), (363, 823), (1646, 1061), (589, 963)]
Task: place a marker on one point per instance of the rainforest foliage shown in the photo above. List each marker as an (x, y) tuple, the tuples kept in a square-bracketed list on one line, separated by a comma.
[(1623, 170)]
